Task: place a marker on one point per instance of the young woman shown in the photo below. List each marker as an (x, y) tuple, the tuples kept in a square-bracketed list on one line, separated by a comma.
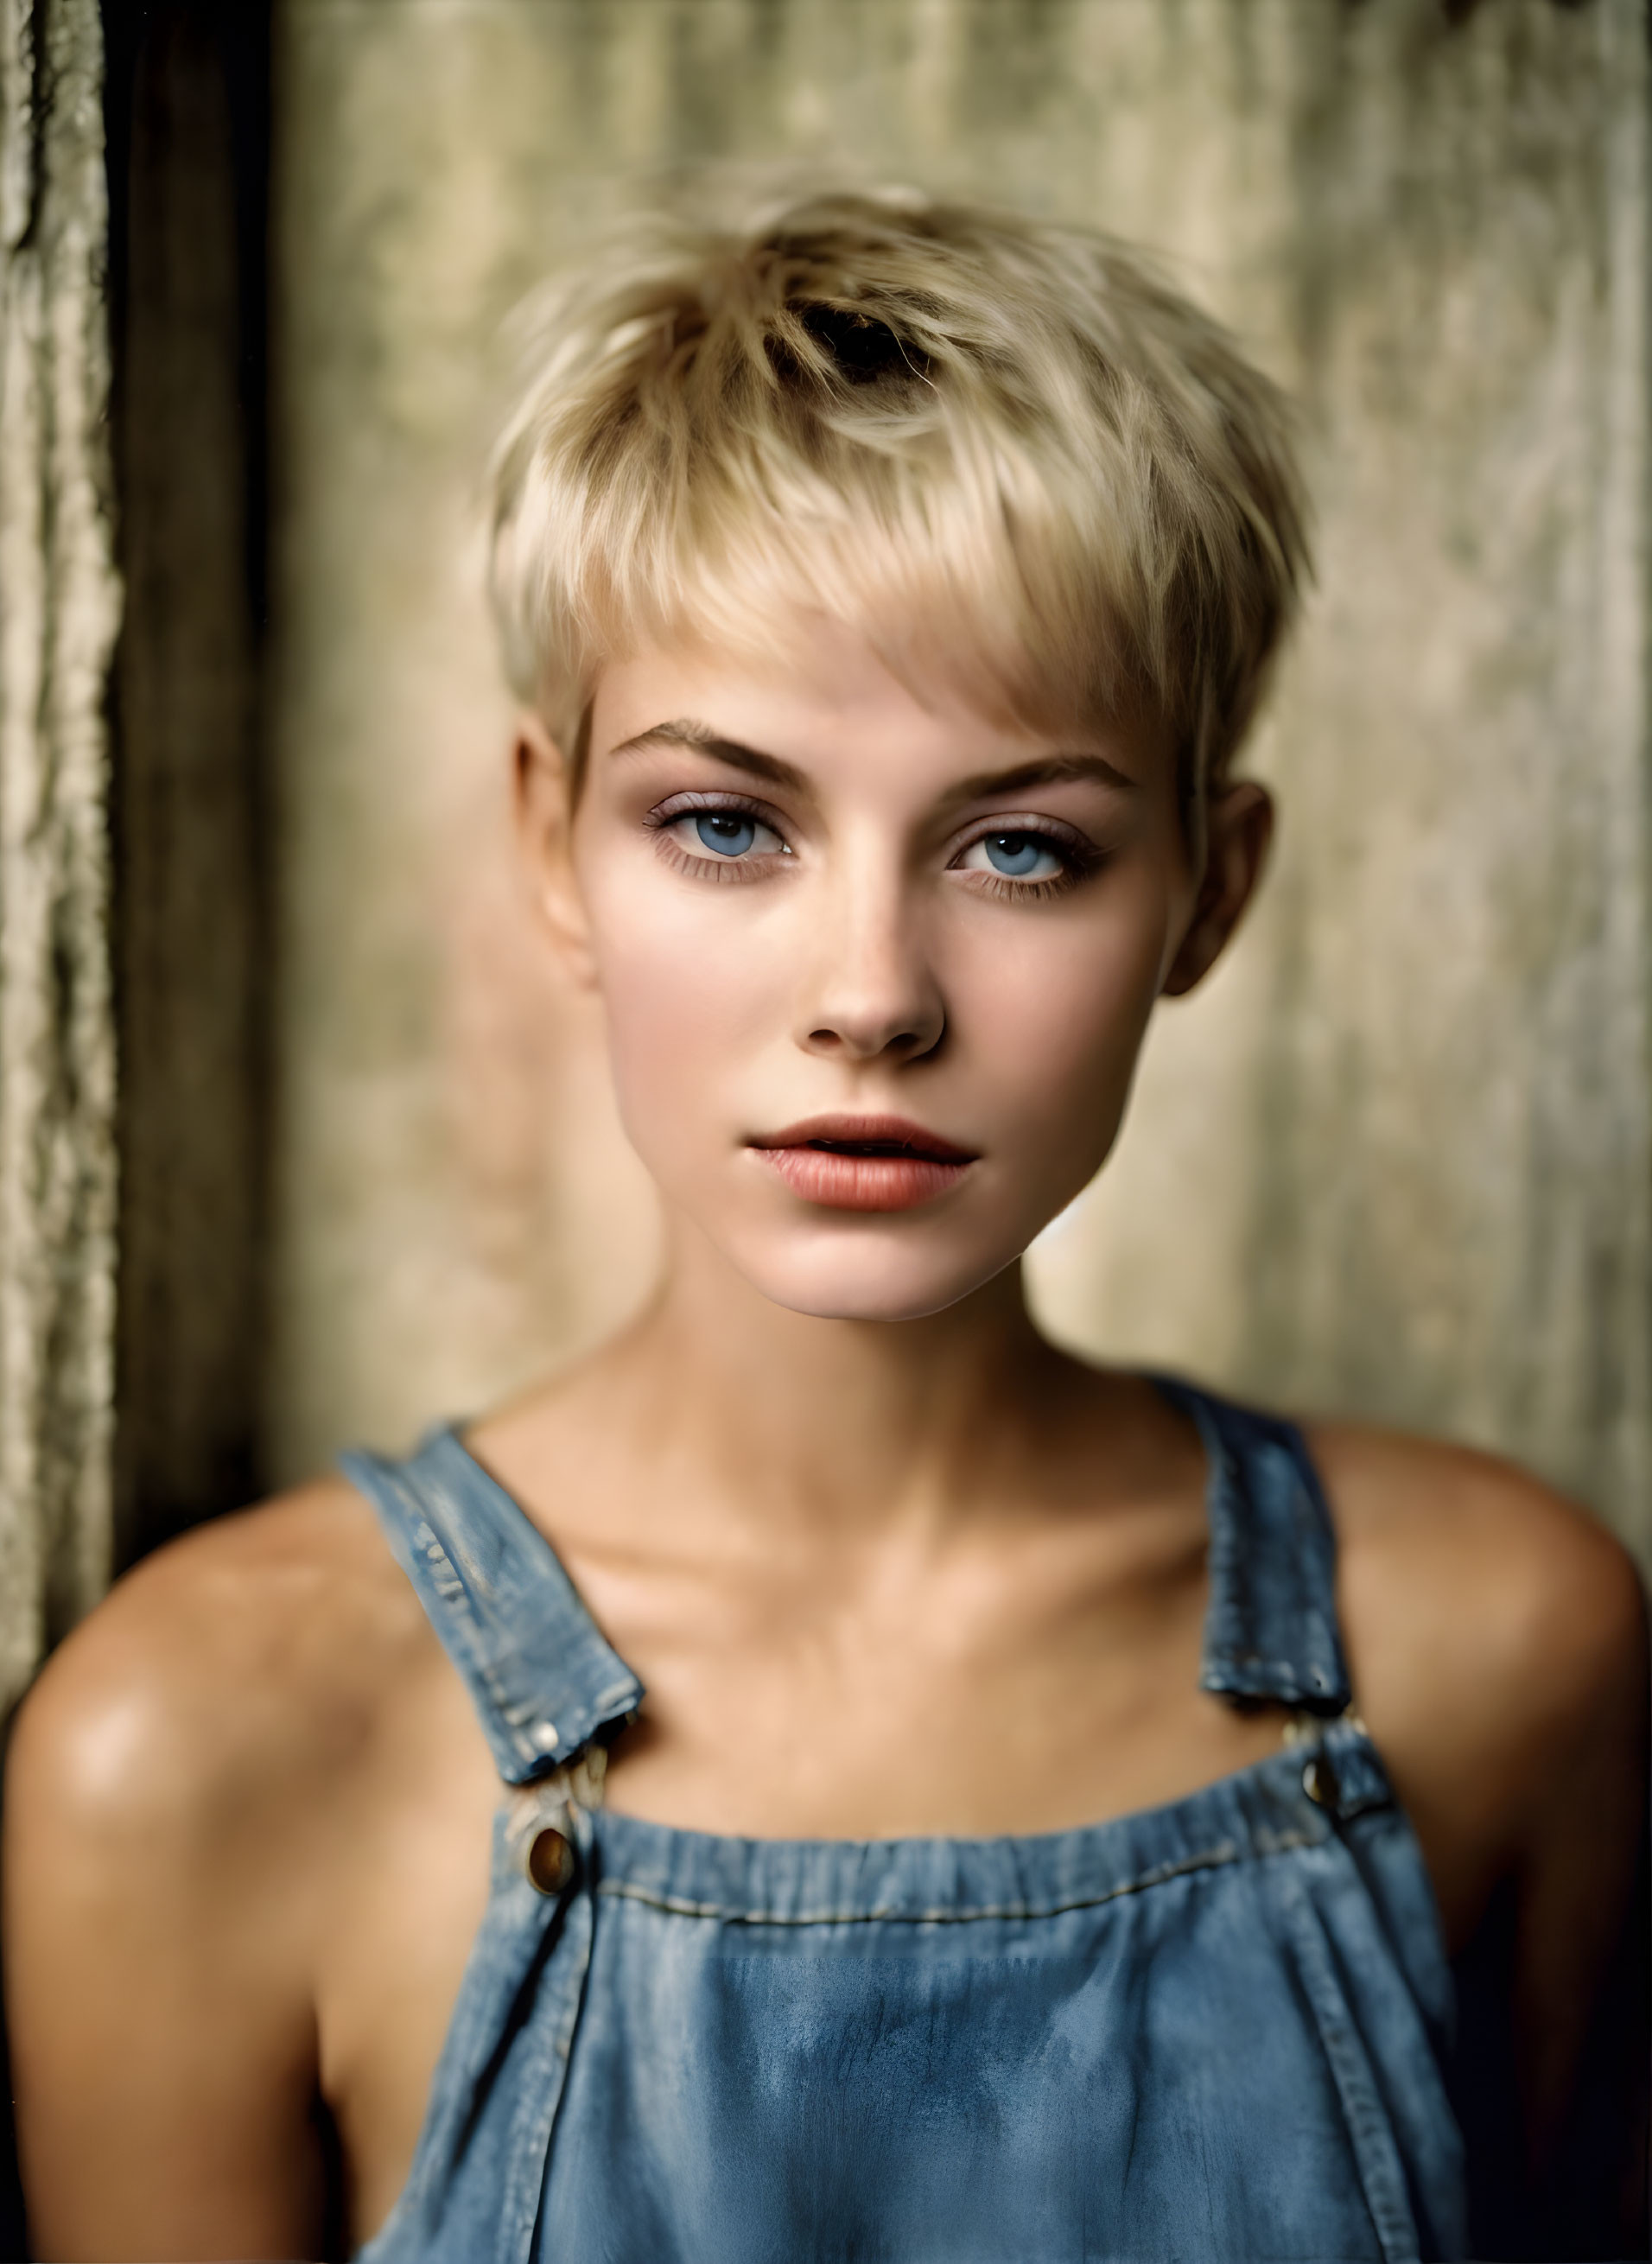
[(958, 1802)]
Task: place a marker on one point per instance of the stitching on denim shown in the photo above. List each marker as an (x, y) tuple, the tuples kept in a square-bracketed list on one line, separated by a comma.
[(1210, 1858), (1237, 1661), (463, 1606), (543, 2079), (482, 1654), (1370, 2132), (434, 1562), (517, 1710)]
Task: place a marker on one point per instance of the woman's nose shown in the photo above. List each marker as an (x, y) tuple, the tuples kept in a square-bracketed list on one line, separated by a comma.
[(874, 988)]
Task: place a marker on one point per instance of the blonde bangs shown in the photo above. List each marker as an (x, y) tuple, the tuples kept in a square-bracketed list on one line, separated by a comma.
[(1007, 454)]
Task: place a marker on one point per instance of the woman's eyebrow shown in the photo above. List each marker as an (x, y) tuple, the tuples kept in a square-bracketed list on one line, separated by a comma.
[(1045, 770), (686, 731)]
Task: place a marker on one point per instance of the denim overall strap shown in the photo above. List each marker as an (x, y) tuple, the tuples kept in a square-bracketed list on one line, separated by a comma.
[(542, 1679), (1271, 1626)]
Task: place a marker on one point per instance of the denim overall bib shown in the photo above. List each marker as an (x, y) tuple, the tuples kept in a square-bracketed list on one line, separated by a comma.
[(1211, 2030)]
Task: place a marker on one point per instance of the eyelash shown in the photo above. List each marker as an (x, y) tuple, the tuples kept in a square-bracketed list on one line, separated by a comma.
[(718, 870), (1080, 858)]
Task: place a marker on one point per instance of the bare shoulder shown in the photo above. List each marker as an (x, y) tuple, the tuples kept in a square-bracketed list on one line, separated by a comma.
[(1496, 1635), (189, 1789), (243, 1662), (182, 1794), (1460, 1557)]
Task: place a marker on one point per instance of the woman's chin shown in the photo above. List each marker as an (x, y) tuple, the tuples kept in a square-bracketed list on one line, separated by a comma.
[(867, 1283)]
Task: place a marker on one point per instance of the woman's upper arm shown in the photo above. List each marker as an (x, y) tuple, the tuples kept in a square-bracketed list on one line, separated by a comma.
[(157, 1931), (1584, 1828), (1498, 1645)]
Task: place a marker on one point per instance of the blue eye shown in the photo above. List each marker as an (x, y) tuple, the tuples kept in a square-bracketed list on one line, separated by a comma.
[(722, 836), (1014, 854), (730, 832), (1019, 853), (1020, 856)]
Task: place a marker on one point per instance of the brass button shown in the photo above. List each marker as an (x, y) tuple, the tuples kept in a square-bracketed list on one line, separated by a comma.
[(1319, 1781), (550, 1864)]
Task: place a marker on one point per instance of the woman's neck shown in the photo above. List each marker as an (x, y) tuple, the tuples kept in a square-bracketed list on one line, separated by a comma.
[(838, 1424)]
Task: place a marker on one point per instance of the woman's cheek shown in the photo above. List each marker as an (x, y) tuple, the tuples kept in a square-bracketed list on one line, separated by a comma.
[(1059, 1017), (687, 996)]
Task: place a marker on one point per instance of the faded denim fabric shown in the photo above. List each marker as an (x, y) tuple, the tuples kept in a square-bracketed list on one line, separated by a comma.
[(1212, 2030)]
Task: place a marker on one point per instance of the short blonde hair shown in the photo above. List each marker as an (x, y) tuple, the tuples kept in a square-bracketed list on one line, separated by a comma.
[(1006, 450)]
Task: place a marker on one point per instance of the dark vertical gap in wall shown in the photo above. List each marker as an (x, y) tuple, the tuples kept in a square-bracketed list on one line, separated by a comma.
[(187, 120)]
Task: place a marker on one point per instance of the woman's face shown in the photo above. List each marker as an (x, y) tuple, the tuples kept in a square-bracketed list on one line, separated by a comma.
[(876, 972)]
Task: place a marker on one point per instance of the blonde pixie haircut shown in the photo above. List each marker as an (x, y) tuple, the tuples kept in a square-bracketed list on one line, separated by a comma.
[(1006, 451)]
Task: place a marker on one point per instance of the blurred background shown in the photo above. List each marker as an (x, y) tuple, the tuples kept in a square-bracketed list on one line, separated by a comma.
[(307, 1142), (302, 1139)]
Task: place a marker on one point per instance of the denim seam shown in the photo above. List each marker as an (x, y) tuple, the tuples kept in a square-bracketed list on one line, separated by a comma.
[(513, 1710), (543, 2079), (1370, 2131), (1211, 1859), (1238, 1662), (462, 1607)]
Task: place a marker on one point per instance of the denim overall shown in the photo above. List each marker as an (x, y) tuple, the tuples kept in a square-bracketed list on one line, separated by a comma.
[(1211, 2030)]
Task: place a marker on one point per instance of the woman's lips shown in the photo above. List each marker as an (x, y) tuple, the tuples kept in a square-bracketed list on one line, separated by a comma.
[(864, 1163)]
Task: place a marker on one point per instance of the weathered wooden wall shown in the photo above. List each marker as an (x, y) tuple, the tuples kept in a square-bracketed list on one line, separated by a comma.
[(1395, 1159), (185, 102), (58, 610)]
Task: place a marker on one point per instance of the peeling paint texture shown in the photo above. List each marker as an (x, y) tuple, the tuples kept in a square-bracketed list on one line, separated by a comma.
[(58, 610), (1393, 1161)]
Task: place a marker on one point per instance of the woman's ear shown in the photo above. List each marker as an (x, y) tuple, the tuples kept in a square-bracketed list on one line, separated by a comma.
[(545, 831), (1238, 828)]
